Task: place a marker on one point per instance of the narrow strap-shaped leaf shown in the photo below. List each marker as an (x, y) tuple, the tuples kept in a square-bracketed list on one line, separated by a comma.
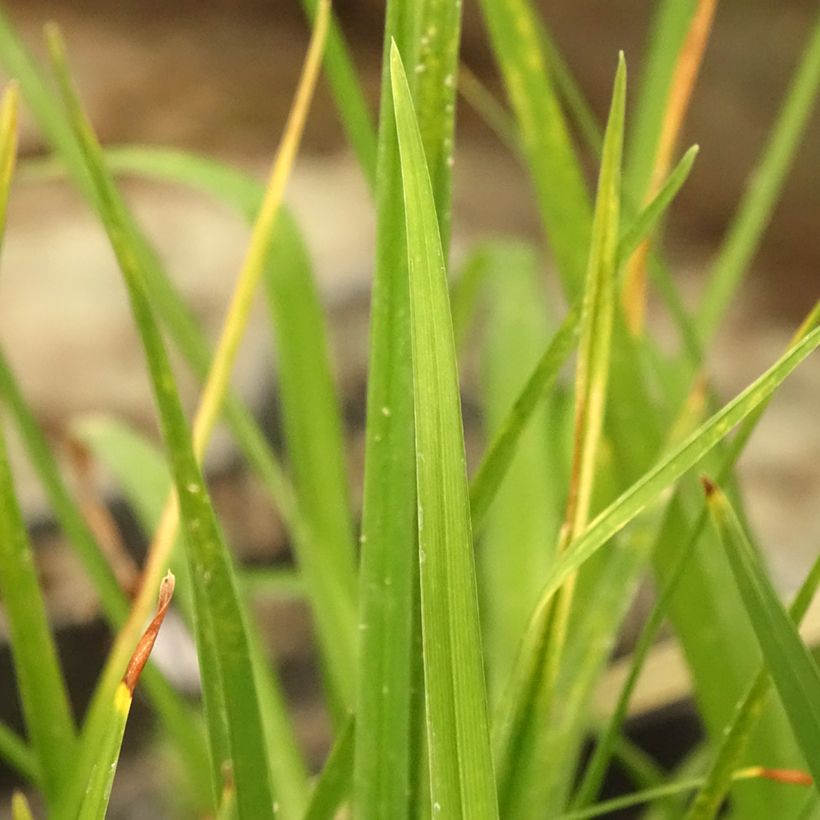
[(598, 763), (682, 83), (219, 617), (500, 452), (389, 658), (8, 146), (217, 382), (40, 681), (19, 755), (142, 474), (20, 809), (462, 784), (182, 724), (671, 21), (523, 739), (718, 779), (518, 542), (638, 497), (767, 179), (676, 788), (562, 196), (335, 780), (318, 514), (789, 662), (98, 791), (348, 96), (435, 98), (647, 489), (174, 313), (646, 220), (314, 440)]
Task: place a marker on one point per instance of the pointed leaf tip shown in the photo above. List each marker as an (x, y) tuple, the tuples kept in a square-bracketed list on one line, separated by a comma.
[(149, 637), (709, 486)]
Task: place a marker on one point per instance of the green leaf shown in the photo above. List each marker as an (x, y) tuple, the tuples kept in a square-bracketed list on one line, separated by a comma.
[(460, 764), (98, 790), (647, 489), (793, 670), (19, 755), (646, 220), (517, 545), (736, 736), (56, 128), (318, 518), (435, 99), (637, 798), (336, 778), (496, 460), (523, 741), (182, 724), (236, 736), (42, 690), (563, 200), (767, 179), (143, 475), (387, 715), (316, 454), (639, 496), (348, 96), (667, 34), (40, 681)]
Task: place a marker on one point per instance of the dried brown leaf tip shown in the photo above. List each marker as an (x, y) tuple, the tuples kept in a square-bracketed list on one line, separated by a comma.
[(709, 486), (793, 777), (149, 637)]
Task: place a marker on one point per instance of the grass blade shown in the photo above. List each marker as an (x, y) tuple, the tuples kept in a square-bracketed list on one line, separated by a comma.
[(793, 670), (648, 218), (719, 777), (435, 99), (348, 96), (176, 715), (237, 739), (40, 681), (496, 461), (142, 473), (647, 489), (640, 495), (20, 809), (8, 146), (682, 83), (387, 716), (522, 741), (98, 791), (312, 425), (216, 385), (743, 237), (316, 454), (677, 788), (668, 32), (559, 184), (43, 695), (19, 755), (336, 778), (517, 545), (461, 775)]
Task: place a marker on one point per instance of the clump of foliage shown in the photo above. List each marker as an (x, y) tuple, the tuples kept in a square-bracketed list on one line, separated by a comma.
[(462, 642)]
